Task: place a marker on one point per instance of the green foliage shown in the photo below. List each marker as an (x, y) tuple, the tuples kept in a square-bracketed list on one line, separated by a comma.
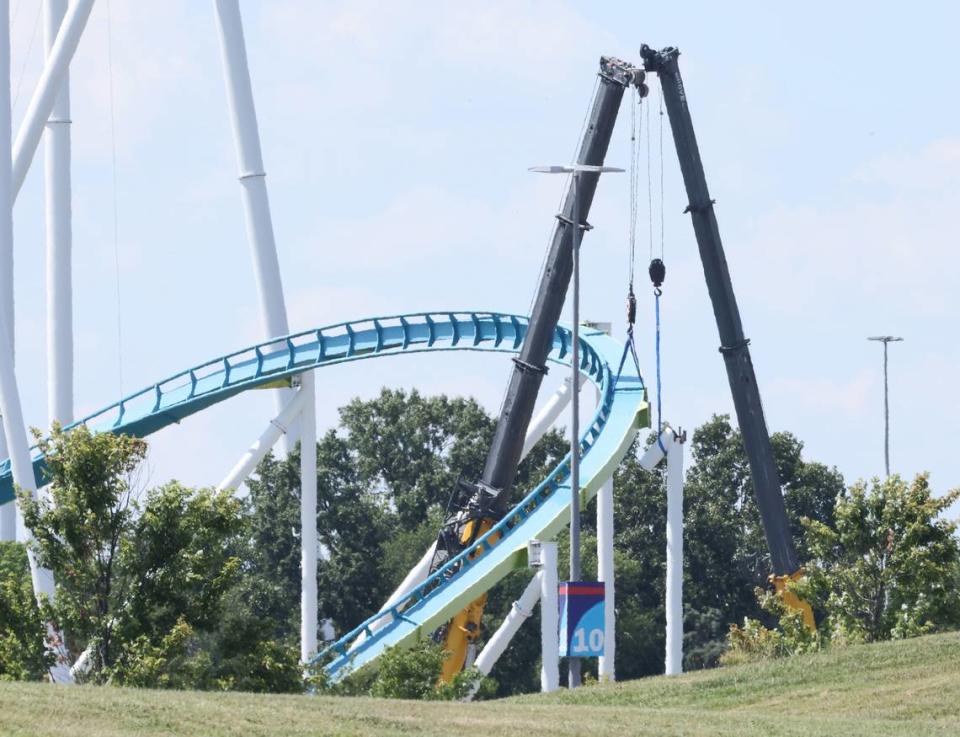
[(414, 674), (754, 641), (887, 565), (23, 655)]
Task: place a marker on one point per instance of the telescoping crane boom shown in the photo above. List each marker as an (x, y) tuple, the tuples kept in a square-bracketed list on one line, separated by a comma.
[(478, 506), (734, 346)]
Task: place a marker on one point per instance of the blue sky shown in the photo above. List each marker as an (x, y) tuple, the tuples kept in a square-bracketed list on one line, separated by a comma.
[(397, 138)]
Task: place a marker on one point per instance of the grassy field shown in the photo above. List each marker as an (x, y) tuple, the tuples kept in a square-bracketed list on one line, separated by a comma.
[(903, 688)]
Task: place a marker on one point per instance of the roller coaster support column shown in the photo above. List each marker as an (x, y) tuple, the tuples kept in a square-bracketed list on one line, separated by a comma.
[(10, 408), (733, 344), (670, 445), (8, 512), (256, 452), (267, 273), (549, 619), (59, 238), (256, 203), (48, 89), (308, 519), (605, 568)]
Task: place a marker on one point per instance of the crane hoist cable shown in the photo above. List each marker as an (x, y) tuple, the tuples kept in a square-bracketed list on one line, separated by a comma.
[(636, 125)]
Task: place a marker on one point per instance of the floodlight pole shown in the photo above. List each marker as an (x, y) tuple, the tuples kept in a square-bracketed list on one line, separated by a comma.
[(886, 340), (573, 675)]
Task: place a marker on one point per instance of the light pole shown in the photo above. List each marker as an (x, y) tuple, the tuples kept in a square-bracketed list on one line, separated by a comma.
[(886, 340), (573, 677)]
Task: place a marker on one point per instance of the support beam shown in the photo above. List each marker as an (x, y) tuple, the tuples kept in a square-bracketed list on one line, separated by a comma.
[(257, 452), (520, 611), (308, 519), (10, 408), (59, 237), (549, 620), (48, 89), (674, 588), (605, 573), (253, 182)]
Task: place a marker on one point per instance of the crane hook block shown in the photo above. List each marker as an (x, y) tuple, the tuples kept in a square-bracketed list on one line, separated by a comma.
[(658, 272), (631, 308)]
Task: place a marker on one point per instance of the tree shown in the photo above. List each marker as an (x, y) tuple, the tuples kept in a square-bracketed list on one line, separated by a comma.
[(886, 566), (23, 653), (78, 529)]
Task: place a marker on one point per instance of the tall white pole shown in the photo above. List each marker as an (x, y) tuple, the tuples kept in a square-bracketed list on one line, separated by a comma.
[(605, 573), (256, 452), (605, 569), (549, 619), (10, 408), (308, 519), (8, 512), (266, 267), (48, 88), (59, 238), (674, 593), (243, 116)]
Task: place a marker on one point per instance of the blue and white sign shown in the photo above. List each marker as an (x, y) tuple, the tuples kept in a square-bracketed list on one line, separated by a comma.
[(581, 619)]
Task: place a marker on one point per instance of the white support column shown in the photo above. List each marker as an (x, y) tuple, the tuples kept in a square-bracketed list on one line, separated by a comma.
[(256, 203), (266, 267), (520, 611), (548, 414), (48, 88), (606, 574), (59, 237), (674, 592), (308, 519), (10, 408), (255, 453), (549, 620)]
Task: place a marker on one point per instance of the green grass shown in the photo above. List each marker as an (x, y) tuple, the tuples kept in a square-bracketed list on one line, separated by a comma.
[(900, 688)]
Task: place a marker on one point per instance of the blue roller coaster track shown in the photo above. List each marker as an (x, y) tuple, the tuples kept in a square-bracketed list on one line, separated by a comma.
[(621, 412)]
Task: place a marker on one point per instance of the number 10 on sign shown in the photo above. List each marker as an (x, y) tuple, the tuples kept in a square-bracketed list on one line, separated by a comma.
[(581, 619)]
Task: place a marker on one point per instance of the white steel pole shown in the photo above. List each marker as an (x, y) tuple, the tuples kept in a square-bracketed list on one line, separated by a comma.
[(606, 574), (10, 408), (59, 238), (308, 519), (549, 620), (48, 89), (520, 611), (674, 593), (8, 512), (255, 453), (243, 116), (548, 414)]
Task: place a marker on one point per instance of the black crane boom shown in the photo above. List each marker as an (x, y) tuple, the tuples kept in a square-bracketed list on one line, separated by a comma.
[(733, 344), (530, 367)]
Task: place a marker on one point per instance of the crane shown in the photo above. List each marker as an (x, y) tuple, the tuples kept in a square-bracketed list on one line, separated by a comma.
[(734, 346), (476, 506)]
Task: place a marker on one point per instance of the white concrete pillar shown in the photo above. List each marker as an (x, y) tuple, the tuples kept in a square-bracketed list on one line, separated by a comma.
[(59, 237), (308, 520), (10, 408), (48, 88), (606, 574), (549, 619), (674, 587), (257, 452)]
